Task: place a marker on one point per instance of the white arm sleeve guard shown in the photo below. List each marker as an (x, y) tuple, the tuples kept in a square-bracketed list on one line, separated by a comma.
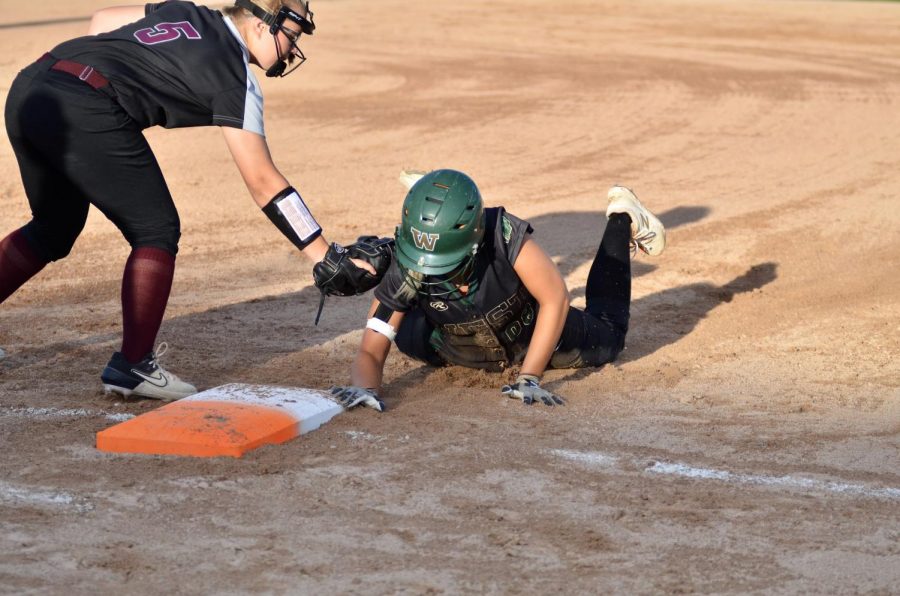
[(379, 326)]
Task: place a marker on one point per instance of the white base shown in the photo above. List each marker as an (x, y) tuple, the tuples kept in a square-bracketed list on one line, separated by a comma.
[(311, 407)]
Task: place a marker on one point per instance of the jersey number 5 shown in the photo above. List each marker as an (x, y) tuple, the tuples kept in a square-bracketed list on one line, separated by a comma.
[(164, 32)]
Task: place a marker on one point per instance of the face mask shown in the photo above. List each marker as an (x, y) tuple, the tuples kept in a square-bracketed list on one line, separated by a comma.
[(276, 25)]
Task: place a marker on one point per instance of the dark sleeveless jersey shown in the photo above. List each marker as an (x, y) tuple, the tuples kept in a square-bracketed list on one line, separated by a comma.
[(494, 321), (181, 65)]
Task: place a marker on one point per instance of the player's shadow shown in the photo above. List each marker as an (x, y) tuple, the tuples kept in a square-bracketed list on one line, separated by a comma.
[(230, 342), (575, 235), (243, 337), (285, 322), (665, 317)]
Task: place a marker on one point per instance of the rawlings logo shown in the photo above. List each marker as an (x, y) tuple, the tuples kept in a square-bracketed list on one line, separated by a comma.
[(424, 240), (438, 305)]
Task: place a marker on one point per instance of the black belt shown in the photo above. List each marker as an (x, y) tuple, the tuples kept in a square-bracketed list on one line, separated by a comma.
[(84, 73)]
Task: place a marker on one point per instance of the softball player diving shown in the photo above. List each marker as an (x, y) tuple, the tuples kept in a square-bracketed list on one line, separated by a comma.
[(75, 119), (470, 287)]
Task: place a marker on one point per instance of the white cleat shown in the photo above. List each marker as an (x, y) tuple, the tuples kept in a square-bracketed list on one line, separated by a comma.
[(647, 232), (409, 177)]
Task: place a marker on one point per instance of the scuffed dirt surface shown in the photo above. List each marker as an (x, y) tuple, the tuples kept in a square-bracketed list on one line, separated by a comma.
[(764, 343)]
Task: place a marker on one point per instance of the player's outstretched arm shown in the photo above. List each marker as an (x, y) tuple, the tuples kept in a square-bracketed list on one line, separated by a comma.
[(542, 279), (273, 193), (109, 19), (368, 368)]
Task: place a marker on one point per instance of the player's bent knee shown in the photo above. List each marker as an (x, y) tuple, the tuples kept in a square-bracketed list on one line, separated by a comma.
[(49, 243), (166, 240)]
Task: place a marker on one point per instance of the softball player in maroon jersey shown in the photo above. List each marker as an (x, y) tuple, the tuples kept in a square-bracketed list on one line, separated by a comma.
[(468, 286), (75, 119)]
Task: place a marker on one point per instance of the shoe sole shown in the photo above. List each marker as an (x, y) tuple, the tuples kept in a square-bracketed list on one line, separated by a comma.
[(408, 178), (124, 392), (628, 197), (116, 382)]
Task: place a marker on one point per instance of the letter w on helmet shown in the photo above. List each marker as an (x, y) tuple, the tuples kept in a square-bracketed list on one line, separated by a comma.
[(424, 240)]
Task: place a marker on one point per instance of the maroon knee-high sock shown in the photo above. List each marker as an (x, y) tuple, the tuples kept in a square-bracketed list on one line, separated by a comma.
[(145, 293), (18, 263)]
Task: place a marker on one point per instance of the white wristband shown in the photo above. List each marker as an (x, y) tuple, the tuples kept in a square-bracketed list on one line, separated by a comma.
[(379, 326)]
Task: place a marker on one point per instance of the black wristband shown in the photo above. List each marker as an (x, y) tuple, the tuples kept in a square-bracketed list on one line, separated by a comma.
[(292, 218)]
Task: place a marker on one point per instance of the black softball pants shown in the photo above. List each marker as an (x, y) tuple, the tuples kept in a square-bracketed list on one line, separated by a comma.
[(596, 335), (77, 147)]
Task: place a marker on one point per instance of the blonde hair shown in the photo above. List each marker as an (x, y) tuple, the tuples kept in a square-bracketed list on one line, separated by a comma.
[(411, 286)]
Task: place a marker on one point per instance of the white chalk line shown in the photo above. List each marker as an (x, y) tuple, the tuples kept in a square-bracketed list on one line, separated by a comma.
[(784, 481), (604, 460), (41, 497), (47, 413), (587, 457), (357, 435)]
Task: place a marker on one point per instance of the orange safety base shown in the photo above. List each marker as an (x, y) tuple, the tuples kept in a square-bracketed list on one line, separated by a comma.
[(224, 421)]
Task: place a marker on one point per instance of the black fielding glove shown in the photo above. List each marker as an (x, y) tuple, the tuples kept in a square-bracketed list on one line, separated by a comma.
[(337, 275)]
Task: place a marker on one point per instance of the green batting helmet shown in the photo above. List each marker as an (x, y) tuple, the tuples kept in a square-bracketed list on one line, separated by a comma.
[(442, 224)]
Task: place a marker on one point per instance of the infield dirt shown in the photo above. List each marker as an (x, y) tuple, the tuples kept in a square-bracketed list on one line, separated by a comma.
[(760, 375)]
